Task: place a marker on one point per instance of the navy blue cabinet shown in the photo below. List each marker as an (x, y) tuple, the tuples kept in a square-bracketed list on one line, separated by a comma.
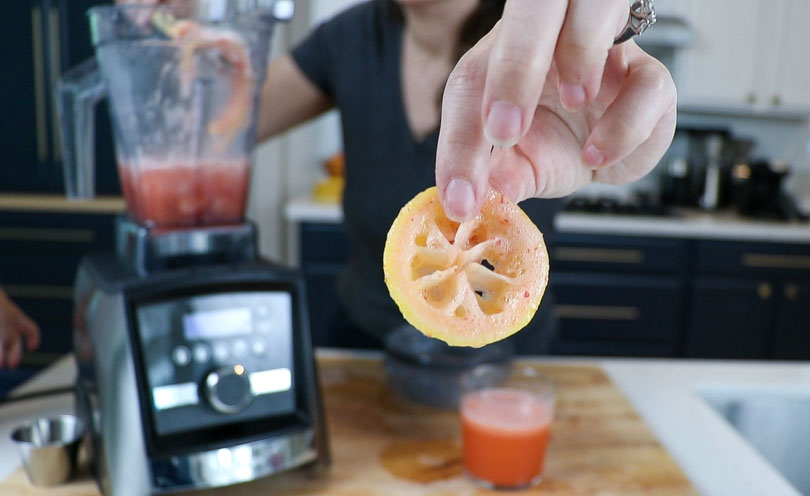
[(323, 248), (641, 296), (613, 314), (26, 137), (39, 255), (618, 295), (41, 39), (750, 301)]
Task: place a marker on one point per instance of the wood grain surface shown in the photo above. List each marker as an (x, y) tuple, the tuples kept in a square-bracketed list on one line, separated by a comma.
[(383, 445)]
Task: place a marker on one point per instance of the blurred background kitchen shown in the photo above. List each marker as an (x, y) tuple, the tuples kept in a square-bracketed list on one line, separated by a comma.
[(708, 257)]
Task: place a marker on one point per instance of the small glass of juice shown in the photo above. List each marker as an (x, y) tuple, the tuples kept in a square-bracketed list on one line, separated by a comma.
[(505, 429)]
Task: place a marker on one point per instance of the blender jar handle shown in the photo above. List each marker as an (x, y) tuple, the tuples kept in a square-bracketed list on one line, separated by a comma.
[(78, 92)]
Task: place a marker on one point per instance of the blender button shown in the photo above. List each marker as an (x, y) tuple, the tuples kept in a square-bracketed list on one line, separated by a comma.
[(263, 310), (264, 326), (258, 347), (201, 353), (240, 348), (181, 356), (221, 351)]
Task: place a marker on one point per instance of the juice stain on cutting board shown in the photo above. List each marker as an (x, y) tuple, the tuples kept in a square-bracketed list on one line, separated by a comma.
[(423, 461)]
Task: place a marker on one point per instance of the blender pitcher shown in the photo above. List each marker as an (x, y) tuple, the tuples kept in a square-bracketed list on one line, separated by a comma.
[(183, 81)]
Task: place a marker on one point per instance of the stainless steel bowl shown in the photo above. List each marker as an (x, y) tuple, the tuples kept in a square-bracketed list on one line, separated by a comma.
[(49, 448)]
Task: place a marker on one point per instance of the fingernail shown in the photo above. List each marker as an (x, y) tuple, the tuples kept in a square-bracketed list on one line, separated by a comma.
[(503, 124), (593, 156), (459, 199), (572, 95)]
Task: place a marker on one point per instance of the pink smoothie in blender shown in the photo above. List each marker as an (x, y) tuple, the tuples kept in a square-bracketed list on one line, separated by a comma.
[(182, 195), (206, 100), (182, 96)]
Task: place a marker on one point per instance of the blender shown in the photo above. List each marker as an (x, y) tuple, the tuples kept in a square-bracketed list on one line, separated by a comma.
[(195, 362)]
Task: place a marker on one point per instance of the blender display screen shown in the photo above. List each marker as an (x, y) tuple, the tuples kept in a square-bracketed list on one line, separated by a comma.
[(217, 323)]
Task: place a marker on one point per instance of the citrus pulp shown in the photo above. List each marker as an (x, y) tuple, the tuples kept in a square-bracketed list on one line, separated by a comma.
[(469, 283)]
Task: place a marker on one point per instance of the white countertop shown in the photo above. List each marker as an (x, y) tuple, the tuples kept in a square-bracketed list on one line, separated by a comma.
[(717, 460), (688, 224)]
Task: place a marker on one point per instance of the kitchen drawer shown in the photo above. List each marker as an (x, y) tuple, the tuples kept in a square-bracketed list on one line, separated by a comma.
[(39, 255), (754, 259), (587, 253), (323, 242), (48, 233), (34, 269), (618, 308)]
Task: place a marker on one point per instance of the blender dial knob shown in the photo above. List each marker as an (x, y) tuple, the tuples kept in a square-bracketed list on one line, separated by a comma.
[(227, 389)]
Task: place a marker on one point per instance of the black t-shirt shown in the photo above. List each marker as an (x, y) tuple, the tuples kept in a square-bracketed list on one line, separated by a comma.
[(354, 58)]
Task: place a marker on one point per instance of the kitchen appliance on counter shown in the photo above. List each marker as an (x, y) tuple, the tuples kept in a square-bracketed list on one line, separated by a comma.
[(697, 168), (195, 363), (759, 191), (639, 204)]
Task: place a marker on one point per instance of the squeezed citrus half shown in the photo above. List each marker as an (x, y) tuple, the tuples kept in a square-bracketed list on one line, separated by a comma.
[(470, 283)]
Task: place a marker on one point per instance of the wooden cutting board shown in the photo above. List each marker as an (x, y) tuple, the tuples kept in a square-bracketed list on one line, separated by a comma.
[(383, 445)]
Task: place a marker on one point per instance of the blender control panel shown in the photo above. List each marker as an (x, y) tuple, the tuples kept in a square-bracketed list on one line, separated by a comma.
[(214, 359)]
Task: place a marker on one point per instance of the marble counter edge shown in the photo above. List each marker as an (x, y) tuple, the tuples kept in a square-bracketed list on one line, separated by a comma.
[(712, 454), (688, 225)]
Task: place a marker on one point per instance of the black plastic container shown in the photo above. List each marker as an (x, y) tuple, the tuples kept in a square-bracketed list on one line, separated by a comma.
[(429, 372)]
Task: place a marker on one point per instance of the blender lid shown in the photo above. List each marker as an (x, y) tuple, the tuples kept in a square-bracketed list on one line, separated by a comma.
[(408, 345)]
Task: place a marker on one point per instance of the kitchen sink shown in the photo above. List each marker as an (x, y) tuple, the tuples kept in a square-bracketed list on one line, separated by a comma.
[(775, 421)]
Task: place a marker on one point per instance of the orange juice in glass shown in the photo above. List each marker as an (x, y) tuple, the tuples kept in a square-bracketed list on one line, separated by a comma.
[(505, 429)]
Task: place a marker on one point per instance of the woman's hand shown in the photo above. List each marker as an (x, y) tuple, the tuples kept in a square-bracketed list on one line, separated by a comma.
[(561, 105), (15, 327)]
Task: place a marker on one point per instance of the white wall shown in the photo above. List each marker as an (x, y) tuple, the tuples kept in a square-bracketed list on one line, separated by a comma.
[(287, 166)]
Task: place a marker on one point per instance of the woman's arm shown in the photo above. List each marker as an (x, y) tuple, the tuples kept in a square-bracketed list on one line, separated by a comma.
[(288, 98)]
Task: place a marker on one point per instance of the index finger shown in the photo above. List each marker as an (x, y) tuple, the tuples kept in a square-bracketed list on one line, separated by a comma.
[(518, 65), (29, 331)]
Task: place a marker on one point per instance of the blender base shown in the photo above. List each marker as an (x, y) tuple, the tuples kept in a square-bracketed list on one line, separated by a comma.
[(144, 250)]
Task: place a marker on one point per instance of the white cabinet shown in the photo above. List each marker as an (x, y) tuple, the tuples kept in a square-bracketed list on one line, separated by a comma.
[(721, 66), (673, 8), (790, 84), (748, 53)]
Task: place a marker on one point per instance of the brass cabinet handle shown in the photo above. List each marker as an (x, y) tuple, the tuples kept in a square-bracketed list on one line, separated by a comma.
[(597, 312), (46, 234), (792, 292), (773, 261), (751, 98), (40, 95), (55, 66), (602, 255), (776, 100), (765, 291), (39, 292)]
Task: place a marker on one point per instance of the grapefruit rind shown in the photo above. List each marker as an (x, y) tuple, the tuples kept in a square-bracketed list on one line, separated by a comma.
[(467, 284)]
